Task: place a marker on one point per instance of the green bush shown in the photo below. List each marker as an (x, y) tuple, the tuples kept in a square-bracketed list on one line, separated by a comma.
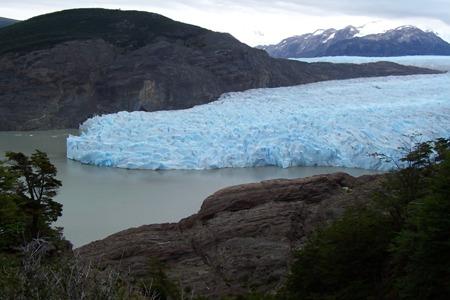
[(396, 248), (27, 209), (422, 249), (344, 260)]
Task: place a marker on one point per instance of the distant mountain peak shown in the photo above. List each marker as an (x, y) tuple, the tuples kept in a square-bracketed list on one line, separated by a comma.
[(318, 31), (365, 40), (407, 27)]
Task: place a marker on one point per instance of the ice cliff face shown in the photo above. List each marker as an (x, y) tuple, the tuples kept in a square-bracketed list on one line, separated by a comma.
[(337, 123)]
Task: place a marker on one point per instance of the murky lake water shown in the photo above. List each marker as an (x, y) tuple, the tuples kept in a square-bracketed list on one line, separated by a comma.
[(101, 201)]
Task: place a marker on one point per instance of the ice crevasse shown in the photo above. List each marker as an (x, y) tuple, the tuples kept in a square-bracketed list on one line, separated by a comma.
[(335, 123)]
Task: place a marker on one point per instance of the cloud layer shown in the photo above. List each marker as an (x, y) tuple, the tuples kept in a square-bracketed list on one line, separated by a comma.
[(265, 21)]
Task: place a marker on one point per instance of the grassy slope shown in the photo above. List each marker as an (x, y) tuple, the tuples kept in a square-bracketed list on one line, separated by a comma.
[(128, 29)]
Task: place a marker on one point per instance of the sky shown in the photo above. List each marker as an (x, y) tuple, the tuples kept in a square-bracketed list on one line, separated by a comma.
[(261, 22)]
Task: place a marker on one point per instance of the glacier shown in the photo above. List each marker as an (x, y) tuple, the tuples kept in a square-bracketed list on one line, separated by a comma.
[(334, 123)]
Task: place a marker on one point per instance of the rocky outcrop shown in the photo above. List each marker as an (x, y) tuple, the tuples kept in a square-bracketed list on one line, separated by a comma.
[(108, 61), (351, 41), (243, 236)]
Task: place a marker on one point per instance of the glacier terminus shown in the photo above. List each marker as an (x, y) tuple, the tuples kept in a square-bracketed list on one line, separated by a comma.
[(334, 123)]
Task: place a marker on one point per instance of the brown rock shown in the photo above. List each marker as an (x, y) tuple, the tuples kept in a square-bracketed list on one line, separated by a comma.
[(242, 237)]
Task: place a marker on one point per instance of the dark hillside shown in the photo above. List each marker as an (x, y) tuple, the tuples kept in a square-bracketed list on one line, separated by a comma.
[(59, 69), (6, 22), (125, 29)]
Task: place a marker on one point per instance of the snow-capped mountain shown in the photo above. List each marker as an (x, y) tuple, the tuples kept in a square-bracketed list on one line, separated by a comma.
[(355, 41)]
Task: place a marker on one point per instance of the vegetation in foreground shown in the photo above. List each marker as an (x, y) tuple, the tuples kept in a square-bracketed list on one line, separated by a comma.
[(27, 208), (397, 247)]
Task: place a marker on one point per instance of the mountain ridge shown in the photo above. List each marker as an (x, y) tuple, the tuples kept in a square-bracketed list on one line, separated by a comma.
[(6, 22), (352, 41), (59, 69)]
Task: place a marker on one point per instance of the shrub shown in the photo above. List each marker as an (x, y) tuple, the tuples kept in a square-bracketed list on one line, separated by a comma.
[(36, 275), (344, 260), (422, 249), (396, 248), (27, 209)]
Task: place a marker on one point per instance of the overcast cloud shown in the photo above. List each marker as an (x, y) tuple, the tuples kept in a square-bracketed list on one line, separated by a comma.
[(264, 21)]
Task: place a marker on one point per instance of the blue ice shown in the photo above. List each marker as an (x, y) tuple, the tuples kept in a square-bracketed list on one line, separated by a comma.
[(334, 123)]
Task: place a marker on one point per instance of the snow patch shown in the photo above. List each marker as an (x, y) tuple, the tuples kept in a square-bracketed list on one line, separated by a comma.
[(318, 32), (406, 27), (329, 38)]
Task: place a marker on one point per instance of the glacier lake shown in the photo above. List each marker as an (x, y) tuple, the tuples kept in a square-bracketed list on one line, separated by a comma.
[(99, 201)]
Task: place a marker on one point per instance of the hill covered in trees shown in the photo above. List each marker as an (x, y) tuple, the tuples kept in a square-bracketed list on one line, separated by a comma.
[(6, 22)]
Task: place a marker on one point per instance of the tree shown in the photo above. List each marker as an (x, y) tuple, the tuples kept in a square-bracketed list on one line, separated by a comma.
[(344, 260), (36, 186), (422, 249), (410, 181), (12, 219), (397, 247)]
